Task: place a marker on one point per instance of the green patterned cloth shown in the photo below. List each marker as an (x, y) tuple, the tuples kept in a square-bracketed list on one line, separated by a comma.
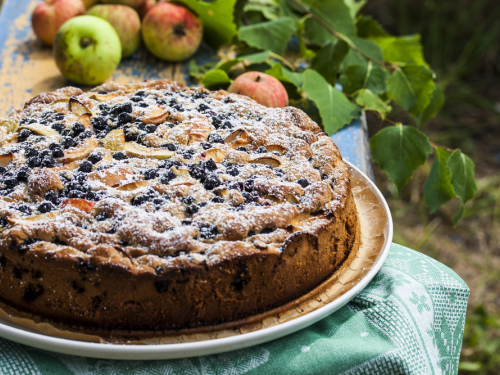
[(408, 320)]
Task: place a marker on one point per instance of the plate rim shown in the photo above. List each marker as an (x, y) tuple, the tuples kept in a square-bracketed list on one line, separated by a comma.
[(206, 347)]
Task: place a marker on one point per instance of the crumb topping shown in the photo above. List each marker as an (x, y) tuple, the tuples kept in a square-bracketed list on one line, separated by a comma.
[(157, 174)]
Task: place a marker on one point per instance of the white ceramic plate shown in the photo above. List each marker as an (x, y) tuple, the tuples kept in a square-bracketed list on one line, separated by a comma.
[(22, 335)]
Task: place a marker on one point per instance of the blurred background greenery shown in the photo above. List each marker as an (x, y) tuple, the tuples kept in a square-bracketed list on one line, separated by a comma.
[(461, 41)]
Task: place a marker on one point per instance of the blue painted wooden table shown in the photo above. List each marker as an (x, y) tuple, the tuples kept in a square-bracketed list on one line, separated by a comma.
[(27, 68)]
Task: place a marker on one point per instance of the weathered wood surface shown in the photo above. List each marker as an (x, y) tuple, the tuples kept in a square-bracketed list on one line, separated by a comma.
[(27, 68)]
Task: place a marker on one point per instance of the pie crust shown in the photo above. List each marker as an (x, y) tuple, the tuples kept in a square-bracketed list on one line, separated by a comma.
[(155, 207)]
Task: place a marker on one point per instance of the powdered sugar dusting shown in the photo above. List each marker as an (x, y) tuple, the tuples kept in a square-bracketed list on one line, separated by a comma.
[(223, 176)]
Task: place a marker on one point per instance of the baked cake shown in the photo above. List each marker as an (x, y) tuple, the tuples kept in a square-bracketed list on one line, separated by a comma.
[(154, 207)]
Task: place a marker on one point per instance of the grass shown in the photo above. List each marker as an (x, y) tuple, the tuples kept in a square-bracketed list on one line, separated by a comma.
[(462, 43)]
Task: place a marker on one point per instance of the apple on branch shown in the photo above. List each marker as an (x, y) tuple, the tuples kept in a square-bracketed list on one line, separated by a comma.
[(49, 15), (126, 22), (87, 50), (265, 89), (171, 32)]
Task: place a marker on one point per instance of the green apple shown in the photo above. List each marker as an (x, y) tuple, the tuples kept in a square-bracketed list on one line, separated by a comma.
[(126, 22), (87, 50)]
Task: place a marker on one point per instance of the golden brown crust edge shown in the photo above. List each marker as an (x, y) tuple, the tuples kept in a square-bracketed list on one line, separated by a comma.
[(107, 300)]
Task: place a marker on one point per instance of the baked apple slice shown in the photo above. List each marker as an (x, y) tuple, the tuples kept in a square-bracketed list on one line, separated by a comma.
[(276, 148), (32, 219), (136, 150), (79, 203), (40, 130), (104, 97), (270, 160), (114, 140), (132, 185), (6, 159), (8, 126), (77, 108), (214, 153), (85, 120), (81, 151), (110, 177), (238, 138), (156, 116)]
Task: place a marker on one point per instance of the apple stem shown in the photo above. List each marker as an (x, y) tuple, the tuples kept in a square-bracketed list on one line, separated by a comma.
[(257, 79), (85, 42)]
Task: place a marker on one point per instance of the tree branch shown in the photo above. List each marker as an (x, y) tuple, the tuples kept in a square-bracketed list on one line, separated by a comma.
[(283, 60), (337, 34)]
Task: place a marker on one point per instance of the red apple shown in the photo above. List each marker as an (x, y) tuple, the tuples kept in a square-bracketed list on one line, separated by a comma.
[(126, 22), (89, 3), (136, 4), (265, 89), (49, 15), (148, 4), (171, 32)]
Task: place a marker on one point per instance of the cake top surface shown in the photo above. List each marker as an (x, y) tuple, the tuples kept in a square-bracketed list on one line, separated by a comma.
[(156, 175)]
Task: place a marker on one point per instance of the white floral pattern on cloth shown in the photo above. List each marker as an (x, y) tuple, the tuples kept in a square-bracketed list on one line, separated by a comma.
[(408, 320)]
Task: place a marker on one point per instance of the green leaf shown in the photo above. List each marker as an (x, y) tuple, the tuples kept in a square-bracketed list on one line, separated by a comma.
[(437, 101), (218, 20), (400, 150), (404, 49), (470, 366), (462, 178), (272, 36), (335, 109), (369, 28), (411, 87), (292, 81), (238, 10), (296, 78), (329, 59), (369, 101), (226, 65), (368, 47), (303, 50), (268, 8), (354, 6), (254, 57), (216, 79), (260, 67), (289, 9), (197, 71), (438, 188), (370, 76), (335, 13)]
